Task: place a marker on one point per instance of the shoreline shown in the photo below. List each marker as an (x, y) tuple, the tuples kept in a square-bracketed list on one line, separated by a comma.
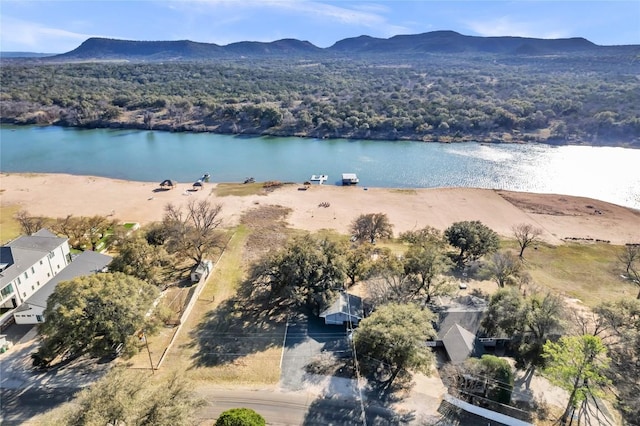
[(487, 138), (562, 217)]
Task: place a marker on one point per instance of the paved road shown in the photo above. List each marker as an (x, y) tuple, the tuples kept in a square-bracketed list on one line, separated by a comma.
[(293, 408)]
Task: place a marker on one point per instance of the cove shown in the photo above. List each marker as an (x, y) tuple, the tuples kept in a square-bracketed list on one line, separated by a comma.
[(606, 173)]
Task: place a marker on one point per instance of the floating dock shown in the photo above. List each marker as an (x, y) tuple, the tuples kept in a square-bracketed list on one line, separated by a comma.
[(320, 179)]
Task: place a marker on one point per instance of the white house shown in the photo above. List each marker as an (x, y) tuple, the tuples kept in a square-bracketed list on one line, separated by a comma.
[(347, 308), (86, 263), (27, 264)]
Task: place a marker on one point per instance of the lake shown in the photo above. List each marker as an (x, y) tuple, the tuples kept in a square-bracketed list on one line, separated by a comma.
[(605, 173)]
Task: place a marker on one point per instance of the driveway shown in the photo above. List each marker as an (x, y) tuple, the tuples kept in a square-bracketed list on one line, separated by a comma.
[(25, 392), (307, 337)]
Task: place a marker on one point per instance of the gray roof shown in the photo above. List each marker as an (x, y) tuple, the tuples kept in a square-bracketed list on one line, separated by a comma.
[(23, 252), (42, 240), (459, 344), (44, 232), (21, 260), (342, 305), (469, 319), (86, 263)]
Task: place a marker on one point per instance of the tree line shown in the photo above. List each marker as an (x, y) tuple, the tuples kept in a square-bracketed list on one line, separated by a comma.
[(448, 98)]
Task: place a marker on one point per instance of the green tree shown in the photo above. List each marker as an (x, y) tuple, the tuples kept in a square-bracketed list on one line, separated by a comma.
[(138, 258), (529, 321), (371, 226), (392, 341), (473, 239), (506, 315), (194, 233), (425, 263), (545, 314), (358, 262), (426, 237), (494, 373), (577, 364), (306, 272), (240, 417), (131, 397), (93, 315)]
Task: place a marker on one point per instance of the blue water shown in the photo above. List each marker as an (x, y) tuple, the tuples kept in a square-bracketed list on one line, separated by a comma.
[(610, 174)]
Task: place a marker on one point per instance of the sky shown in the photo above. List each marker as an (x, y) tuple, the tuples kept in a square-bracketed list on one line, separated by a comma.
[(58, 26)]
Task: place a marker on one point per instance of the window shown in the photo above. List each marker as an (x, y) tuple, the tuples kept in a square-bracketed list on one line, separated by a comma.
[(24, 294), (26, 275), (51, 255), (18, 280), (39, 318), (33, 288), (41, 261), (33, 271), (58, 266), (6, 290), (38, 283)]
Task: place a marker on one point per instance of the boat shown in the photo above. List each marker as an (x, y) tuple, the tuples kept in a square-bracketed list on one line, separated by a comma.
[(205, 177), (350, 179), (318, 178)]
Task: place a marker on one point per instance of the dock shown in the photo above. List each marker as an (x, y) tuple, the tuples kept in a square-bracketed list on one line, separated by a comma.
[(320, 179), (350, 179)]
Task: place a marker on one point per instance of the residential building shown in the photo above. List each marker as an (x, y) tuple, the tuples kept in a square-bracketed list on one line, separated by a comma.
[(86, 263), (26, 265), (346, 309)]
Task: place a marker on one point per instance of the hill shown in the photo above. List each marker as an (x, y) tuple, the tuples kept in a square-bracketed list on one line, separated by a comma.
[(430, 42)]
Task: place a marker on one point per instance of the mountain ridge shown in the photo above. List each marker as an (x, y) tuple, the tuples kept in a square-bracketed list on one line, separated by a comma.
[(439, 42)]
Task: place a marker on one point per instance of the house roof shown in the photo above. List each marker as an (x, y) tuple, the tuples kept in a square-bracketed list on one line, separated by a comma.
[(348, 304), (23, 252), (87, 262), (459, 343), (43, 241), (470, 320)]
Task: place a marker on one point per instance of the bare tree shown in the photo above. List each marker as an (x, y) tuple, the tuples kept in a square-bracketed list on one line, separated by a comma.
[(629, 255), (505, 268), (368, 227), (29, 224), (630, 258), (526, 234), (194, 233)]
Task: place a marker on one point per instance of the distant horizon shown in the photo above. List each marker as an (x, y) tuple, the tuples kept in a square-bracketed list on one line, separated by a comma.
[(59, 26), (289, 38)]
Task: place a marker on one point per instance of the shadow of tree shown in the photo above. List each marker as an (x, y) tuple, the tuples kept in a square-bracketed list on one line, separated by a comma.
[(337, 412), (234, 330)]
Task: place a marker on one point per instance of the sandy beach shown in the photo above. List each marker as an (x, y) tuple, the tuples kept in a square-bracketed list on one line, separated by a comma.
[(560, 216)]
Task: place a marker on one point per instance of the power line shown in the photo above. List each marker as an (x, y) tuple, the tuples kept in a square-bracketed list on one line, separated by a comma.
[(355, 362)]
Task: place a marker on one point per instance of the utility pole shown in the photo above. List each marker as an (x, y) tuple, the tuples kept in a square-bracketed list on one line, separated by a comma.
[(146, 343)]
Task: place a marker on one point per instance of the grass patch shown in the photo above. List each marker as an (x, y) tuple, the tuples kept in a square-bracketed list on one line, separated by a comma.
[(228, 273), (9, 226), (589, 272), (404, 191), (238, 189)]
